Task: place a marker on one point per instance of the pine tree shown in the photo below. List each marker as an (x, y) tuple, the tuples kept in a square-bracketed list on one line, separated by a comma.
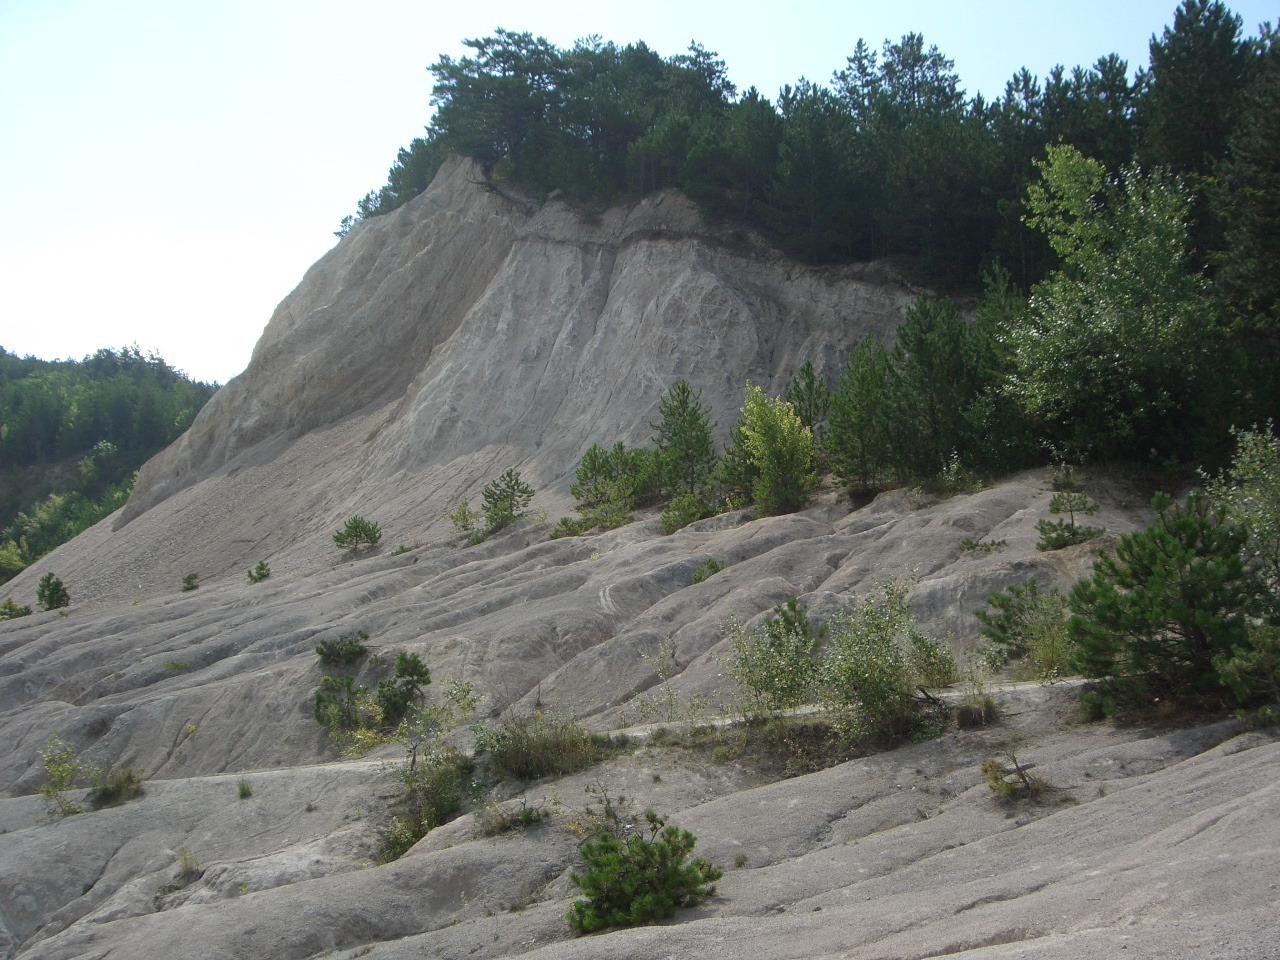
[(683, 439)]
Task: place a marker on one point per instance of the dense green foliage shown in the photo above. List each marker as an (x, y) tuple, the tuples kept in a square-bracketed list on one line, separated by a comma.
[(347, 649), (51, 594), (1171, 601), (506, 500), (890, 158), (357, 534), (72, 435), (683, 440), (639, 879)]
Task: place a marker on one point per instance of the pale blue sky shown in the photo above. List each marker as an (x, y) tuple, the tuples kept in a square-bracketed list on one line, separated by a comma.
[(168, 170)]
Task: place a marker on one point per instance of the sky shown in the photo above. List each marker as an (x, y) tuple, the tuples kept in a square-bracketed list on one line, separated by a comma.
[(168, 170)]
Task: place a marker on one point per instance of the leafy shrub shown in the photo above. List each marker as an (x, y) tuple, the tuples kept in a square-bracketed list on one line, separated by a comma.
[(11, 611), (683, 510), (1029, 625), (528, 748), (775, 669), (463, 518), (347, 649), (357, 534), (61, 769), (190, 582), (259, 573), (1159, 616), (876, 657), (114, 787), (434, 791), (51, 594), (610, 483), (781, 448), (641, 879), (1056, 534), (706, 569)]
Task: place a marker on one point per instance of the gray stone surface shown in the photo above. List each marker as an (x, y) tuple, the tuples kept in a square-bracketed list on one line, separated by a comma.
[(430, 350)]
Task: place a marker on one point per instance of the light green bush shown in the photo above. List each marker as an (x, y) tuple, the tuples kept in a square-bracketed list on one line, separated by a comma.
[(774, 668), (876, 658), (781, 448)]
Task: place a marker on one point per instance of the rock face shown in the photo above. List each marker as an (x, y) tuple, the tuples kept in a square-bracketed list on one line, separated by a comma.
[(466, 333)]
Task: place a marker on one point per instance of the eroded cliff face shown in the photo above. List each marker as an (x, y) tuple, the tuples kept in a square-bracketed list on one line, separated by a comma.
[(469, 332), (430, 350)]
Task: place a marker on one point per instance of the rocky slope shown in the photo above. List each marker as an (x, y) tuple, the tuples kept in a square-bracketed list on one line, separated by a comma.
[(433, 348)]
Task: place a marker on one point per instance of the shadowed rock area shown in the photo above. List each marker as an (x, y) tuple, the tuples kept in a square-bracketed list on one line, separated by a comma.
[(465, 333)]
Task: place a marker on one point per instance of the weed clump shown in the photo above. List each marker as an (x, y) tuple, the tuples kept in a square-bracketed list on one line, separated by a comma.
[(259, 573), (529, 748)]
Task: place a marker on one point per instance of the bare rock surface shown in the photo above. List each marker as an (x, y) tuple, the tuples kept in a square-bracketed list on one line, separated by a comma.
[(469, 332)]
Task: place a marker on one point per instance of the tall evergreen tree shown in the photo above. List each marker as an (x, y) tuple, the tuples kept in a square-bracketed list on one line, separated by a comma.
[(683, 439)]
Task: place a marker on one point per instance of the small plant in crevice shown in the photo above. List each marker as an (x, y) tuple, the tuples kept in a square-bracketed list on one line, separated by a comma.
[(401, 550), (464, 519), (357, 534), (347, 649), (259, 573), (244, 789), (1056, 534), (190, 582), (661, 702), (640, 879), (969, 545), (493, 818), (61, 769), (110, 788), (1012, 780), (706, 569), (177, 665), (51, 594), (11, 611)]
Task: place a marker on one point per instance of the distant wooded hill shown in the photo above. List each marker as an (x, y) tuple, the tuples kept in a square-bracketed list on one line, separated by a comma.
[(72, 435)]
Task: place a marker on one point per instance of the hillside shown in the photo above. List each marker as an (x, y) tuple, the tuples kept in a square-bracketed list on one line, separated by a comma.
[(464, 333)]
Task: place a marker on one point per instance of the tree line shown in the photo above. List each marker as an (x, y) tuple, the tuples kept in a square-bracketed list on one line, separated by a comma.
[(890, 158)]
